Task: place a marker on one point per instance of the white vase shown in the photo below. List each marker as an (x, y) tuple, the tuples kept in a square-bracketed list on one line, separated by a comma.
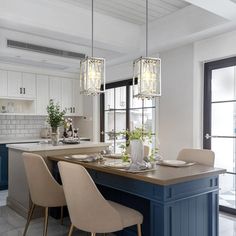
[(137, 153)]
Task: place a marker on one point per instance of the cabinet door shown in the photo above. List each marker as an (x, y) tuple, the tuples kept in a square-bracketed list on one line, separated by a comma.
[(42, 94), (67, 87), (77, 99), (29, 85), (14, 84), (55, 89), (3, 83), (3, 167)]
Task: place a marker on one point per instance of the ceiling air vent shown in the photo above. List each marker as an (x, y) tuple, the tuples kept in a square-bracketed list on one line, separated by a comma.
[(45, 50)]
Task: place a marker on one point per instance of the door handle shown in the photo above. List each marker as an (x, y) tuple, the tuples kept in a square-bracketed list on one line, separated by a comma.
[(20, 90), (24, 90), (208, 136)]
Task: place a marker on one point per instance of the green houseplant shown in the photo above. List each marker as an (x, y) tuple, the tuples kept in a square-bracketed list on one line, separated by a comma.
[(55, 120), (135, 139)]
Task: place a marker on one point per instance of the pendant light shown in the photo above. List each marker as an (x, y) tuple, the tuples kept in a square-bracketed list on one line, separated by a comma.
[(92, 72), (147, 73)]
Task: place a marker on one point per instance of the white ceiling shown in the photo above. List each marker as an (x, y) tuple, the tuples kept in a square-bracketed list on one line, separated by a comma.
[(133, 10)]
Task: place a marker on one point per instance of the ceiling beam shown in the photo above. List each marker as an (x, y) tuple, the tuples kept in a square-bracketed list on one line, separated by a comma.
[(223, 8)]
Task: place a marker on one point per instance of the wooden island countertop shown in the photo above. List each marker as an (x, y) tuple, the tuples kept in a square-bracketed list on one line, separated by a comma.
[(161, 175)]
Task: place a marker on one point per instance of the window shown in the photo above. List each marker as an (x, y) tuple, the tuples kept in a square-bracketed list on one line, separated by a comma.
[(120, 111)]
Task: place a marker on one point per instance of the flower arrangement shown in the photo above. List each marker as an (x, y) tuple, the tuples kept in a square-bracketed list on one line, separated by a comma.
[(55, 116), (136, 134)]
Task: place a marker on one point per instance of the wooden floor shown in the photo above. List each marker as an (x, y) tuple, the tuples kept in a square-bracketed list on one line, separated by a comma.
[(11, 224)]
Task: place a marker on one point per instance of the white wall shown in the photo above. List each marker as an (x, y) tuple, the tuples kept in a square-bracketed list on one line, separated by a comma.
[(119, 72), (176, 102)]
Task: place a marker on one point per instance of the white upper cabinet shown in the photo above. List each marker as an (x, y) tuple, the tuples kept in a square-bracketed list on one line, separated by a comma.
[(14, 84), (77, 99), (42, 100), (34, 91), (3, 83), (21, 85), (55, 89), (29, 85), (67, 86)]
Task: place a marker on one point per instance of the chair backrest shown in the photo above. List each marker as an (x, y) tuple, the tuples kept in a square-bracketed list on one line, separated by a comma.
[(44, 190), (88, 209), (201, 156)]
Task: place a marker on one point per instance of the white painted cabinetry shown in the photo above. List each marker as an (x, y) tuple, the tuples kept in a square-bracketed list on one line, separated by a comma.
[(14, 84), (55, 89), (28, 85), (21, 85), (67, 86), (31, 92), (3, 83), (42, 98), (77, 99)]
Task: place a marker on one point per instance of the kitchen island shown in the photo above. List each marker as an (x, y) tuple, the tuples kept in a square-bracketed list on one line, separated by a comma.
[(18, 192), (174, 201)]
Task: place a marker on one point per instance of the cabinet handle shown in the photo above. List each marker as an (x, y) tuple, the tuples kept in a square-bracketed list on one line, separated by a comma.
[(73, 109), (20, 90), (24, 90)]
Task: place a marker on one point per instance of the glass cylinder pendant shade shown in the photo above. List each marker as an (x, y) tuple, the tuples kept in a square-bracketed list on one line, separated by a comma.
[(92, 75), (147, 77)]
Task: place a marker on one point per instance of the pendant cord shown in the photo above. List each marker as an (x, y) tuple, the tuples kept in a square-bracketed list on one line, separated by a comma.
[(146, 28), (92, 27)]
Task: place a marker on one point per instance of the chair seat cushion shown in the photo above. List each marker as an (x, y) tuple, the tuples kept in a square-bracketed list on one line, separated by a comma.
[(128, 215)]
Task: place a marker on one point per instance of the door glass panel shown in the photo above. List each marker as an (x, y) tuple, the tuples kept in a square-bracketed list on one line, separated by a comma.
[(149, 119), (227, 190), (223, 84), (223, 118), (135, 119), (135, 102), (109, 99), (225, 150), (120, 97)]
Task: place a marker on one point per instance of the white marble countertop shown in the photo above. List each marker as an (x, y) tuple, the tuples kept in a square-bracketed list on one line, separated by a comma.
[(26, 140), (37, 147)]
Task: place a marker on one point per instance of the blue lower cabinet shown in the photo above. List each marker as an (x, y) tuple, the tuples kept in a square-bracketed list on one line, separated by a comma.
[(3, 167)]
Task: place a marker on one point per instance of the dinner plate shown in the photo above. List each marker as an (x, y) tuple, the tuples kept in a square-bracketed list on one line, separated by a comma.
[(174, 162), (82, 157), (116, 164)]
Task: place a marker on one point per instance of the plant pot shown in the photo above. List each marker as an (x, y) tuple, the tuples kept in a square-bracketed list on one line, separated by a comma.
[(55, 136), (137, 153)]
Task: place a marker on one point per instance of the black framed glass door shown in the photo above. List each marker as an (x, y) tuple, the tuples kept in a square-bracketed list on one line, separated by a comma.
[(220, 124)]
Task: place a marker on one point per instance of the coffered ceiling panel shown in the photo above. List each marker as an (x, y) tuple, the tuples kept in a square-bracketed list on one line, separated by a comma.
[(132, 10)]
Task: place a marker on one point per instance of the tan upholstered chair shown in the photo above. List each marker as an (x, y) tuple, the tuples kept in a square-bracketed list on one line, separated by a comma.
[(201, 156), (44, 190), (88, 210)]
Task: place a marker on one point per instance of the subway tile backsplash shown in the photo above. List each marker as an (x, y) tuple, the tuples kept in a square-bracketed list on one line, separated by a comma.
[(21, 126)]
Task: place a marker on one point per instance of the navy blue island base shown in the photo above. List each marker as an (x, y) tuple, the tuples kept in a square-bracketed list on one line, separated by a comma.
[(186, 208)]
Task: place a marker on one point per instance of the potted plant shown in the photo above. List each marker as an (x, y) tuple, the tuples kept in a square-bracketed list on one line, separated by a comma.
[(135, 142), (55, 120)]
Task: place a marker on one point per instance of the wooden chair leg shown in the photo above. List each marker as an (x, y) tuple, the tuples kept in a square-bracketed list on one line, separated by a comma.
[(30, 214), (62, 212), (45, 222), (71, 230), (139, 230)]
